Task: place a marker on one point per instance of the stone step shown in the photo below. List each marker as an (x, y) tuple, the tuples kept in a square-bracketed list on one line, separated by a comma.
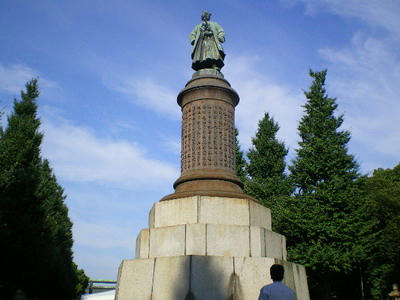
[(203, 278), (209, 210), (210, 239)]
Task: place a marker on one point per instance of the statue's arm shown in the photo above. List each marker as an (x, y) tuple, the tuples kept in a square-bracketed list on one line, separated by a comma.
[(193, 35), (220, 33)]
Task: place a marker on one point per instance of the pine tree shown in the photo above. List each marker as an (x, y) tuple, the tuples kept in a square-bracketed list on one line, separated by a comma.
[(321, 220), (266, 169)]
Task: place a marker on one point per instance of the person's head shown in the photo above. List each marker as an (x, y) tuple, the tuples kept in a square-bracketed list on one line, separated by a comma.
[(205, 16), (277, 272)]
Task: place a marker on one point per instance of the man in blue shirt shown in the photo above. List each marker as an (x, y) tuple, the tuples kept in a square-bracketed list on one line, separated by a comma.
[(276, 290)]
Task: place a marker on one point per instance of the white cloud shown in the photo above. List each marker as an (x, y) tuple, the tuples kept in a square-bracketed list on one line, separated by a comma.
[(14, 77), (259, 94), (77, 155), (366, 78), (103, 236), (147, 93), (364, 75), (376, 13)]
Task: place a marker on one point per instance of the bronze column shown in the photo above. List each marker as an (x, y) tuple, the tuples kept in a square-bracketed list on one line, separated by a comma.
[(208, 138)]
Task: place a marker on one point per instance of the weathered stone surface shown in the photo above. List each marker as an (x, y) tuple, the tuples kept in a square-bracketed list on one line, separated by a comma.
[(196, 239), (288, 278), (210, 239), (252, 274), (167, 241), (273, 244), (228, 240), (135, 278), (171, 278), (142, 244), (209, 210), (204, 277), (300, 281), (257, 241), (284, 250), (211, 277), (213, 210), (174, 212), (260, 215)]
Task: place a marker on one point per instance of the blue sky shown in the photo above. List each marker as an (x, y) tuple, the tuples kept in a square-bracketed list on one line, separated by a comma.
[(110, 71)]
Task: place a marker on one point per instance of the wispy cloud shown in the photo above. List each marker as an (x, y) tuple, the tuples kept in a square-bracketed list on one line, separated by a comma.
[(148, 93), (364, 75), (78, 155), (103, 236), (260, 94), (14, 77), (366, 78), (376, 13)]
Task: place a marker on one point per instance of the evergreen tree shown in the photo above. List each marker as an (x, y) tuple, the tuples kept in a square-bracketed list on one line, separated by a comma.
[(267, 181), (21, 218), (35, 230), (240, 161), (321, 220)]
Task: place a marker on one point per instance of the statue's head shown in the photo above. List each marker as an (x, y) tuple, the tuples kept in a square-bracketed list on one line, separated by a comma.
[(205, 16)]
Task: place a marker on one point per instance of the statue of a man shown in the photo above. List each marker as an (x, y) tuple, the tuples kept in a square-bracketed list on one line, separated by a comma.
[(206, 39)]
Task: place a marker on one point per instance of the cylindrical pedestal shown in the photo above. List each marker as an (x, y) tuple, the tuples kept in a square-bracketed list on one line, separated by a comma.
[(208, 138)]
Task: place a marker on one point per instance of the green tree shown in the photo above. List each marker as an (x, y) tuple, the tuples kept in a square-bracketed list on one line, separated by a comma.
[(21, 218), (35, 229), (380, 237), (321, 220), (240, 161), (267, 180)]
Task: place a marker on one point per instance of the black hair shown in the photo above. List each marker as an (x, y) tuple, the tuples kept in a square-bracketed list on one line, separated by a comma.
[(277, 272)]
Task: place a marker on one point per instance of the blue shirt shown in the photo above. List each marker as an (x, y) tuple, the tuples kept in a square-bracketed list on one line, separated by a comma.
[(276, 291)]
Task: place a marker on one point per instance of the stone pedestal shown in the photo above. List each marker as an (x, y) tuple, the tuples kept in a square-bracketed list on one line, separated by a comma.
[(210, 248)]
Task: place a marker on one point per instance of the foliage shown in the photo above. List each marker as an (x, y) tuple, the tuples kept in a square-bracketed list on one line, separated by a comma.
[(82, 281), (267, 180), (35, 229), (321, 223), (380, 237)]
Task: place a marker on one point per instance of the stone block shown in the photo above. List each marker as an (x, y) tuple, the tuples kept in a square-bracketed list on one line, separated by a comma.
[(196, 239), (257, 241), (288, 278), (218, 210), (203, 277), (174, 212), (135, 279), (209, 210), (252, 274), (211, 278), (300, 281), (171, 278), (142, 244), (273, 244), (284, 250), (260, 215), (167, 241), (228, 240)]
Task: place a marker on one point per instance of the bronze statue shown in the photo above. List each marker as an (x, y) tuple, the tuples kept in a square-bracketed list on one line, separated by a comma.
[(206, 39)]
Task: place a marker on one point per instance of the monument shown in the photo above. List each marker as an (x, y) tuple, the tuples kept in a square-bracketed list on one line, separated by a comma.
[(208, 240)]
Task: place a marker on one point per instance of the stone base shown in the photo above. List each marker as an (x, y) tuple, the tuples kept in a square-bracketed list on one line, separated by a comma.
[(203, 278), (206, 248)]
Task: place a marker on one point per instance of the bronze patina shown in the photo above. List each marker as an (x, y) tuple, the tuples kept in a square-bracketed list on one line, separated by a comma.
[(206, 38)]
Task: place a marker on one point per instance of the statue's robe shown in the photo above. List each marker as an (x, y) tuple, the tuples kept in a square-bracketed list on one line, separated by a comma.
[(207, 51)]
